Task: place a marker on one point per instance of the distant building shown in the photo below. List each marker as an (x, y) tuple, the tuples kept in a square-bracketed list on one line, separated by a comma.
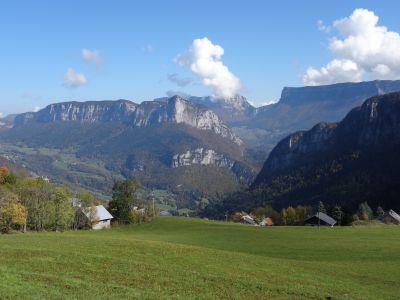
[(248, 220), (320, 218), (98, 216), (391, 217), (267, 222), (165, 213)]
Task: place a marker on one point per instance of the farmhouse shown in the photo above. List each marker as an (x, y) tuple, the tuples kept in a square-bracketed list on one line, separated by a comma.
[(249, 220), (165, 213), (320, 218), (391, 217), (98, 216), (267, 222)]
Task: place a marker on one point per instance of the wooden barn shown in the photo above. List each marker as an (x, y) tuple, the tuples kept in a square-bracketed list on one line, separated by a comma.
[(98, 216), (320, 219), (391, 217), (267, 222)]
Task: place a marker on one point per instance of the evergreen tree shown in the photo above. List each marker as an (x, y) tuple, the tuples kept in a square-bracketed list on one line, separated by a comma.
[(380, 212), (338, 214), (321, 207), (365, 211)]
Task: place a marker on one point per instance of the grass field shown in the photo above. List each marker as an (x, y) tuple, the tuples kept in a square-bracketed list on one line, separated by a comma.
[(183, 258)]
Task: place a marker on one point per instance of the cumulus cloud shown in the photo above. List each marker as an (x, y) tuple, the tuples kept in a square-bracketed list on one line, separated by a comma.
[(204, 59), (363, 48), (73, 79), (91, 56), (338, 70), (179, 81)]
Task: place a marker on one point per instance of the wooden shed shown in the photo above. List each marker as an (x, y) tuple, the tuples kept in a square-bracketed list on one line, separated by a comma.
[(320, 219)]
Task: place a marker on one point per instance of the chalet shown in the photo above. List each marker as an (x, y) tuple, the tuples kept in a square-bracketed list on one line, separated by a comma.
[(165, 213), (391, 217), (248, 220), (267, 222), (320, 219), (98, 216)]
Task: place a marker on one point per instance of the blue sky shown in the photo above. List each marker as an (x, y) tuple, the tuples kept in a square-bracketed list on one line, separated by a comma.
[(267, 45)]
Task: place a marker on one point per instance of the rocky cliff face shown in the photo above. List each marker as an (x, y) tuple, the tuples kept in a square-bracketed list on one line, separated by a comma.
[(300, 108), (173, 110), (375, 124), (231, 110), (201, 156), (91, 111)]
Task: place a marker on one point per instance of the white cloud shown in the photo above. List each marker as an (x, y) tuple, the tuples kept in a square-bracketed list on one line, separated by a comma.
[(36, 109), (363, 48), (73, 79), (1, 115), (336, 71), (91, 56), (268, 102), (204, 59), (322, 27)]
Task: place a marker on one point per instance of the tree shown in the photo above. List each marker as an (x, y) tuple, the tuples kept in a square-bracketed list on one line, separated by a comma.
[(291, 215), (302, 212), (63, 210), (365, 212), (355, 218), (237, 216), (284, 216), (380, 213), (12, 212), (10, 178), (261, 213), (321, 207), (123, 199), (3, 173), (337, 214)]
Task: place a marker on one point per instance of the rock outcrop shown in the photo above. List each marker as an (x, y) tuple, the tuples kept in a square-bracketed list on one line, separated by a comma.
[(173, 110), (201, 156)]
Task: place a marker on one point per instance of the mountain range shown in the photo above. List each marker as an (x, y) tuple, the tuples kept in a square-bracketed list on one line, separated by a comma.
[(171, 144), (195, 148)]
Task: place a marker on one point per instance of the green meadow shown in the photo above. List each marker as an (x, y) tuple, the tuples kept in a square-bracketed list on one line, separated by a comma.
[(185, 258)]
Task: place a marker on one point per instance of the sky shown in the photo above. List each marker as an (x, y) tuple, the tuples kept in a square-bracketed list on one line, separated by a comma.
[(54, 51)]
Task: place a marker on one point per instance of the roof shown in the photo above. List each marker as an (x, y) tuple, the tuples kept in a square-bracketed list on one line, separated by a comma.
[(394, 215), (324, 217), (101, 213), (165, 213), (248, 219), (267, 221)]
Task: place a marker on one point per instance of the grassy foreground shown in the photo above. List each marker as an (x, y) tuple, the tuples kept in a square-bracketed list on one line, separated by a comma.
[(182, 258)]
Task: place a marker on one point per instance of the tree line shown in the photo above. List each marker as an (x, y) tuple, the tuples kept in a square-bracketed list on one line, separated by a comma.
[(28, 203), (296, 215)]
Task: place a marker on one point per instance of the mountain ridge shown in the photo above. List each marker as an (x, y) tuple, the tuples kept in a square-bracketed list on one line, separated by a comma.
[(342, 161)]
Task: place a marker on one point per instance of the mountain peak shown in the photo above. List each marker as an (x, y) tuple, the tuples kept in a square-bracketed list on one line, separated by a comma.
[(231, 109)]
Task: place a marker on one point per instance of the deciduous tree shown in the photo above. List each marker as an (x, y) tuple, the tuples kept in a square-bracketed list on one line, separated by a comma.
[(123, 199)]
